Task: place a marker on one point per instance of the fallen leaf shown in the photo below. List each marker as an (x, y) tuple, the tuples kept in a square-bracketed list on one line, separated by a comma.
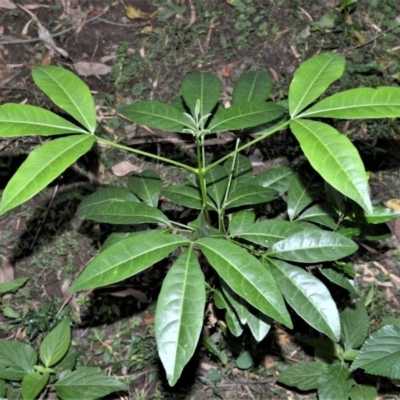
[(135, 13), (6, 270), (124, 168), (84, 68), (7, 4), (393, 204), (148, 319), (137, 294)]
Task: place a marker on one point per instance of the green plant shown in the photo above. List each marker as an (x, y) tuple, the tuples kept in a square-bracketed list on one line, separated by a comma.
[(332, 374), (257, 263), (56, 370)]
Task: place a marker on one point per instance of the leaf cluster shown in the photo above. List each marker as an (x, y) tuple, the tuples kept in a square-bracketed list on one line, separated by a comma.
[(259, 265)]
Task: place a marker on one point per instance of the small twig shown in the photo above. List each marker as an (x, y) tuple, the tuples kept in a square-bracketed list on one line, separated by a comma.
[(23, 41), (44, 219), (371, 40)]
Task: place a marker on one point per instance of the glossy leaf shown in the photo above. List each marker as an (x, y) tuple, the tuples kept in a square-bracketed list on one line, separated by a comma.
[(278, 179), (380, 354), (203, 229), (155, 114), (312, 78), (355, 325), (365, 103), (363, 392), (16, 360), (268, 232), (203, 87), (56, 344), (309, 297), (321, 213), (244, 115), (380, 215), (240, 220), (185, 195), (43, 165), (32, 384), (249, 194), (127, 258), (313, 246), (254, 86), (180, 313), (68, 92), (231, 318), (105, 196), (335, 383), (254, 283), (303, 376), (335, 158), (242, 171), (86, 383), (238, 303), (217, 183), (339, 279), (147, 186), (304, 189), (123, 213), (259, 324), (24, 120)]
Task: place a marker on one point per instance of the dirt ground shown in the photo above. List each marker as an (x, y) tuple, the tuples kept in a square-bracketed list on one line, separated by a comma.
[(146, 58)]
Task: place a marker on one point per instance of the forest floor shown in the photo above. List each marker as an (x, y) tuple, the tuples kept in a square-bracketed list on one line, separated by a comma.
[(126, 54)]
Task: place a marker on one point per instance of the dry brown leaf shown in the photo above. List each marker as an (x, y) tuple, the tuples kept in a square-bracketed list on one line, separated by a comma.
[(393, 204), (6, 270), (124, 168), (135, 13), (7, 4), (137, 294), (148, 319), (226, 71), (84, 68)]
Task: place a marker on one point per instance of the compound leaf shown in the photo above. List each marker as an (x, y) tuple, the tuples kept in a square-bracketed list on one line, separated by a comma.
[(185, 195), (24, 120), (155, 114), (313, 246), (383, 102), (124, 213), (278, 179), (266, 233), (244, 115), (42, 166), (147, 186), (335, 158), (254, 86), (127, 258), (203, 87), (246, 276), (312, 78), (68, 92), (309, 297), (249, 194), (179, 314)]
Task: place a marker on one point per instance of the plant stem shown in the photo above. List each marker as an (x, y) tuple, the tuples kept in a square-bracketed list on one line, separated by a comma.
[(150, 155), (201, 171), (272, 130)]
